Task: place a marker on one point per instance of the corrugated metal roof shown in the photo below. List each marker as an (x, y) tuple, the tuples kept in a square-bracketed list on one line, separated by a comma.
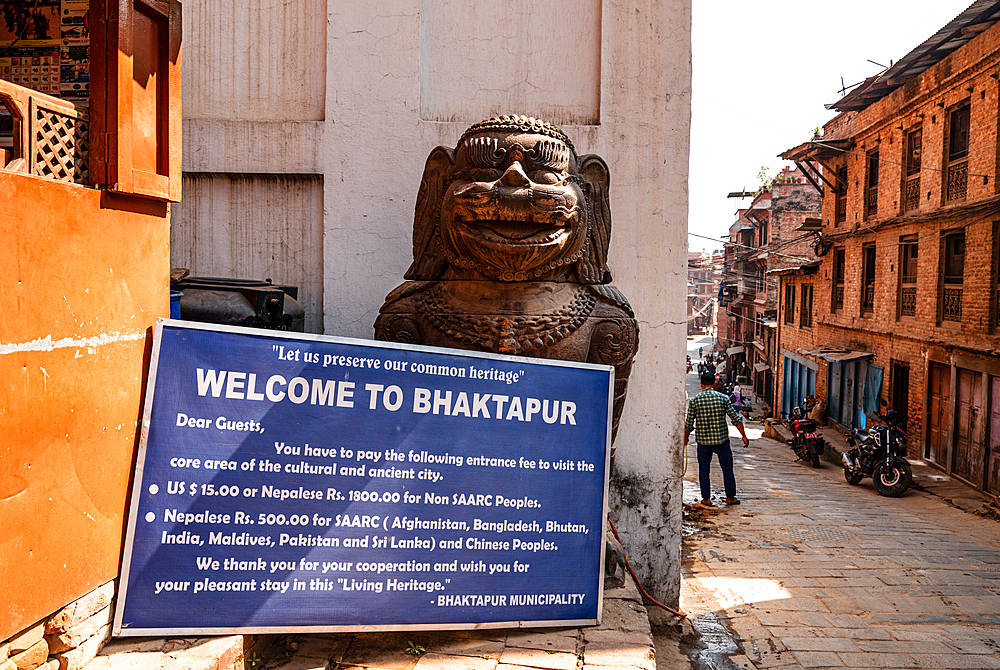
[(834, 354), (979, 16)]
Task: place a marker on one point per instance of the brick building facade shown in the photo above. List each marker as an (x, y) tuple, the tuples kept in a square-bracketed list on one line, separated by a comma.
[(704, 275), (905, 297), (772, 234)]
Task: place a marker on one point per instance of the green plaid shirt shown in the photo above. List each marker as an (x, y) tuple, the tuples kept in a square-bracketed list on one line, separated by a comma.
[(706, 414)]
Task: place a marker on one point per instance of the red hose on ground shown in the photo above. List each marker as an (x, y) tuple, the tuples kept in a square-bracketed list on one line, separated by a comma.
[(636, 579)]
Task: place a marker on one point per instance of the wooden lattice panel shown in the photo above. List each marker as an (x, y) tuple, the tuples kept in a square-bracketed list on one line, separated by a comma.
[(958, 180), (952, 304), (908, 301), (911, 194), (59, 143)]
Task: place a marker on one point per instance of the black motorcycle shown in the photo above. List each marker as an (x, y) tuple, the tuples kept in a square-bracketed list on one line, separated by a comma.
[(807, 444), (877, 455)]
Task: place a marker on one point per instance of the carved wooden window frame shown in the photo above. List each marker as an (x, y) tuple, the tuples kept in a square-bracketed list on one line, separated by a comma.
[(957, 148), (839, 279), (909, 198), (871, 184), (840, 196), (869, 264), (790, 305), (909, 257), (806, 306), (951, 276)]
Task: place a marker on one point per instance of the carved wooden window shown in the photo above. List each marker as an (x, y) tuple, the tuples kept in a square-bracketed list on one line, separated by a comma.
[(805, 309), (841, 201), (839, 267), (871, 184), (953, 267), (995, 296), (957, 174), (136, 146), (867, 279), (908, 276), (790, 305), (911, 172)]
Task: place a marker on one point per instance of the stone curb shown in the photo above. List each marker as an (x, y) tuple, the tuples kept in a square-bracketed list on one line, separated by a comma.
[(622, 640)]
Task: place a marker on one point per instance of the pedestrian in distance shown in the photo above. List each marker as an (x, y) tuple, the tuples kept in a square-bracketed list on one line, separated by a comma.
[(706, 416)]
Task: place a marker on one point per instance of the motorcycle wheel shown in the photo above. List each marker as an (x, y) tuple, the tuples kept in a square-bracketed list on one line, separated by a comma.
[(853, 478), (814, 458), (894, 480)]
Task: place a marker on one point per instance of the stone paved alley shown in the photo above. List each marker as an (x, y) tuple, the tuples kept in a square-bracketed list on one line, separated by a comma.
[(811, 572)]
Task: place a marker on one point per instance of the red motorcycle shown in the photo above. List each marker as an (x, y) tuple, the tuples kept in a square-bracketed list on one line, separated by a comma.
[(807, 444)]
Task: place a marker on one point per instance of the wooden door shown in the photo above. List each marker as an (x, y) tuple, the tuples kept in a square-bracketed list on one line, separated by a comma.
[(787, 374), (833, 406), (968, 458), (849, 404), (939, 385), (901, 392), (993, 450)]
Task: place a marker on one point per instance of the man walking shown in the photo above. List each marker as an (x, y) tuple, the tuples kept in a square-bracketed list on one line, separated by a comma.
[(706, 415)]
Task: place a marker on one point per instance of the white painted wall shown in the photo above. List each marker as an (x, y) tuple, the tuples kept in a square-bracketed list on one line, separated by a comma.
[(402, 76)]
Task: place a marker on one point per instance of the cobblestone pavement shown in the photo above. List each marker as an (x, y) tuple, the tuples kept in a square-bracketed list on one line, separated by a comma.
[(811, 572)]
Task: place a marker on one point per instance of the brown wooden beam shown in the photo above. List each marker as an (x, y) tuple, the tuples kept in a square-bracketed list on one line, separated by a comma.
[(805, 173), (822, 176)]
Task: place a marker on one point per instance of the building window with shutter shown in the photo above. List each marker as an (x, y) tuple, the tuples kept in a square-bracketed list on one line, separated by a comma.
[(871, 185), (789, 305), (806, 308), (953, 267), (957, 174), (995, 296), (841, 203), (911, 170), (867, 279), (908, 276), (839, 267)]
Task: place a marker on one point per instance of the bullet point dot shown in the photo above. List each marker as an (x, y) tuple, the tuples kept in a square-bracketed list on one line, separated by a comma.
[(154, 489), (150, 517)]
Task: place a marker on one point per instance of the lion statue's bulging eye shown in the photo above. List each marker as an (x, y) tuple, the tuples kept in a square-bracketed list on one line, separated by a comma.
[(547, 177), (486, 175)]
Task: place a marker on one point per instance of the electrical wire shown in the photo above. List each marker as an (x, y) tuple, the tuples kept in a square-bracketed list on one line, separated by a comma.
[(734, 244), (928, 235), (848, 152)]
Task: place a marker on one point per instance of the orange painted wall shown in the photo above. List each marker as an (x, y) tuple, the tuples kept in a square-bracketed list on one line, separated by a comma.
[(83, 276)]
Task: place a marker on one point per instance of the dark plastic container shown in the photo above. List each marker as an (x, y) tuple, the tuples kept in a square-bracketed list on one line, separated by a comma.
[(175, 304)]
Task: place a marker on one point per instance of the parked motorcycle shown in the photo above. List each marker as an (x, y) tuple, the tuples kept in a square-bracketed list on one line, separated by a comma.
[(807, 444), (877, 455)]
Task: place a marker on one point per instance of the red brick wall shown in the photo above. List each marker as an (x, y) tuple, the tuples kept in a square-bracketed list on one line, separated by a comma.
[(925, 102), (794, 337)]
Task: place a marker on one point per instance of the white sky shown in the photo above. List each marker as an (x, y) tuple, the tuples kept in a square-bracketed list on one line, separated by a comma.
[(762, 73)]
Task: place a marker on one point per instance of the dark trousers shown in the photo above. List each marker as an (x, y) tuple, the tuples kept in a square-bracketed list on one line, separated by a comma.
[(725, 453)]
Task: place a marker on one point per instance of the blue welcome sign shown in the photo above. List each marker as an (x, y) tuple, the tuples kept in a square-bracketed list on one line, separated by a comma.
[(291, 482)]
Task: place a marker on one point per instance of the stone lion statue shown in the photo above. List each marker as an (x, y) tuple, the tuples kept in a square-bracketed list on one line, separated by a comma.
[(510, 247)]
